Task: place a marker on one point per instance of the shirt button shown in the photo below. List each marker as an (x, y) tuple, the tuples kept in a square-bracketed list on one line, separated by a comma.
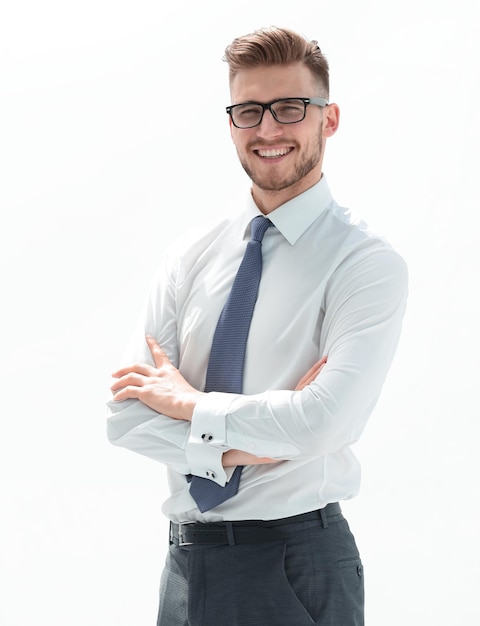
[(207, 436), (210, 474)]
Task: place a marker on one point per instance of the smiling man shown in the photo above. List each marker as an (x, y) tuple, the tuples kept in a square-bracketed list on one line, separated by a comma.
[(261, 352)]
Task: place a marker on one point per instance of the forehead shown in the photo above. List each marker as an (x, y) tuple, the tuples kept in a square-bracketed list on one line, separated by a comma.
[(267, 83)]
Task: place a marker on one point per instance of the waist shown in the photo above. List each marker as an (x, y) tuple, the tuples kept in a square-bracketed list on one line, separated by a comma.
[(244, 531), (309, 483)]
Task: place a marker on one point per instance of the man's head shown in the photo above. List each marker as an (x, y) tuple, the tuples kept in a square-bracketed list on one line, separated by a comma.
[(280, 116)]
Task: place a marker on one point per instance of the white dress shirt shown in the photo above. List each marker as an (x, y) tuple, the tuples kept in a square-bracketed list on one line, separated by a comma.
[(329, 287)]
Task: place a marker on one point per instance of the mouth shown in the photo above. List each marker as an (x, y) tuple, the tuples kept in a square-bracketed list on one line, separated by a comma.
[(272, 153)]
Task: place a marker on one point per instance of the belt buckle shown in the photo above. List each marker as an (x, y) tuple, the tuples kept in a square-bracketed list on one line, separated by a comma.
[(181, 542)]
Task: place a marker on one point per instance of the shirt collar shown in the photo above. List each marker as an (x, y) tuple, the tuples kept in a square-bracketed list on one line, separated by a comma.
[(294, 217)]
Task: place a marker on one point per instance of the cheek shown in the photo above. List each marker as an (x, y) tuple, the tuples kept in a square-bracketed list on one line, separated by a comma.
[(240, 141), (234, 134)]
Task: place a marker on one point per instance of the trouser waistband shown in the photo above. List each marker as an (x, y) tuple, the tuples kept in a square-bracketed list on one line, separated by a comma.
[(244, 531)]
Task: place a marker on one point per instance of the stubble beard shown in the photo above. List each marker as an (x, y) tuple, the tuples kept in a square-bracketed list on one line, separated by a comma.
[(301, 169)]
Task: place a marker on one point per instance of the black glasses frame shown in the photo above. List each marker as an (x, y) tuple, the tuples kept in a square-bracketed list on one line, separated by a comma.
[(320, 102)]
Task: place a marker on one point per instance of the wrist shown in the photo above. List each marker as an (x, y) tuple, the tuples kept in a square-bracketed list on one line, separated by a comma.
[(188, 403)]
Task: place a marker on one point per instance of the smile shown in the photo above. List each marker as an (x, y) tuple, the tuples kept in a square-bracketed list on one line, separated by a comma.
[(273, 153)]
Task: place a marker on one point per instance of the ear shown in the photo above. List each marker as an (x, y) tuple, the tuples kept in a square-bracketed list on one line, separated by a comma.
[(331, 119)]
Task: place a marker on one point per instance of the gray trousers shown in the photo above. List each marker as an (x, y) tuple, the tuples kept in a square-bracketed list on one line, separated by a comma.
[(312, 576)]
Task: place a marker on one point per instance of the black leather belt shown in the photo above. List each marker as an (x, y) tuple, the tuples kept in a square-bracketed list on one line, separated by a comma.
[(243, 532)]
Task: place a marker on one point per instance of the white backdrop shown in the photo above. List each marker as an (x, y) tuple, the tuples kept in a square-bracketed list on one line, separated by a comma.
[(113, 138)]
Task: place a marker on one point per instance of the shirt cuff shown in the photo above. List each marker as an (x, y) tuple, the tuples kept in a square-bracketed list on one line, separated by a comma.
[(206, 443)]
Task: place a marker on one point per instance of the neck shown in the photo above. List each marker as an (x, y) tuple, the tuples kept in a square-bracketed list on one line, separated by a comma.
[(268, 200)]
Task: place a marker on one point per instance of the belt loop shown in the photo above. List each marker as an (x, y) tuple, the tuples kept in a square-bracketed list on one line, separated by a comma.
[(323, 515), (230, 534)]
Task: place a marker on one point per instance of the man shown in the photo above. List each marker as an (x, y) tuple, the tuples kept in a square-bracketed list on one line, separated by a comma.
[(331, 298)]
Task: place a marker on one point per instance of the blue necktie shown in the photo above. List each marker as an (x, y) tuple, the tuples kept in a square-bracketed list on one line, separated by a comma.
[(227, 355)]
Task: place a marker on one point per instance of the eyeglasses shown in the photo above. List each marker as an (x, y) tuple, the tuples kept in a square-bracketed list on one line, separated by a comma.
[(284, 111)]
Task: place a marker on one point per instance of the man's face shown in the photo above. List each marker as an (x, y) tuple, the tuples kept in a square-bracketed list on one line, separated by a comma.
[(280, 159)]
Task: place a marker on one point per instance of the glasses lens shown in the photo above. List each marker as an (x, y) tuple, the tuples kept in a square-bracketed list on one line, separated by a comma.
[(289, 111), (246, 115)]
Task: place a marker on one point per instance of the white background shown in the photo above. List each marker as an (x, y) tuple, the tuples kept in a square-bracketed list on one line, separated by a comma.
[(113, 138)]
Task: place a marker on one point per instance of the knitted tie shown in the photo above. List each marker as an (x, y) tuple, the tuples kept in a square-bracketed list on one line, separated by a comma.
[(227, 356)]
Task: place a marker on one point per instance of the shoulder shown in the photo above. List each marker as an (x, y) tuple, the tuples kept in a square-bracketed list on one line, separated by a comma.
[(197, 244), (360, 253), (199, 236)]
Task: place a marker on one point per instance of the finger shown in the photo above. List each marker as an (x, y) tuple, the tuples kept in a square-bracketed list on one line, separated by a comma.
[(315, 372), (312, 373), (138, 368), (321, 364), (158, 354), (127, 393), (132, 379), (316, 367), (306, 380)]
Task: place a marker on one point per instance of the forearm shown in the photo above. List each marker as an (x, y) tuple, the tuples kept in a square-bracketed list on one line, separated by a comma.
[(136, 427)]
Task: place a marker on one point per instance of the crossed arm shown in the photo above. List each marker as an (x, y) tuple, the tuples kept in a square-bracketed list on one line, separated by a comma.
[(163, 388)]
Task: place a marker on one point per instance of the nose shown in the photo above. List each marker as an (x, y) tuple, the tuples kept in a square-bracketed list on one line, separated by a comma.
[(269, 127)]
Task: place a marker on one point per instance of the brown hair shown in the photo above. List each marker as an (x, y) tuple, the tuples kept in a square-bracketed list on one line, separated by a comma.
[(277, 46)]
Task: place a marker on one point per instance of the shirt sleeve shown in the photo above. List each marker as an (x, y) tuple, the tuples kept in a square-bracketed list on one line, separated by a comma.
[(131, 424), (364, 306)]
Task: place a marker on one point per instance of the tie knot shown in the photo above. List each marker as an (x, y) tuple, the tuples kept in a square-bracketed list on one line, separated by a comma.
[(259, 226)]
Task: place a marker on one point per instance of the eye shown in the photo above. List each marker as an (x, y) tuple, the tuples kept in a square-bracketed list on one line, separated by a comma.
[(246, 111), (288, 108)]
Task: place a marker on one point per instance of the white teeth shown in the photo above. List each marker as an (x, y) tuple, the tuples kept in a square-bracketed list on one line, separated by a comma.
[(273, 153)]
